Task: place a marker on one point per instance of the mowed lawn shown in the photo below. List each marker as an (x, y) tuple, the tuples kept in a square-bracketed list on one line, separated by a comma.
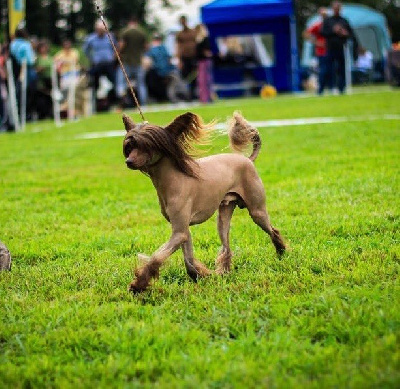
[(325, 316)]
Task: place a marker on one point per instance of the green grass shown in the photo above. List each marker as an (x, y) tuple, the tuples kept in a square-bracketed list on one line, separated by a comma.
[(326, 316)]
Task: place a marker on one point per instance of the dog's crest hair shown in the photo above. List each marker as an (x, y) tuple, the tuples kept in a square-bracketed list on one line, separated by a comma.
[(176, 141), (242, 134)]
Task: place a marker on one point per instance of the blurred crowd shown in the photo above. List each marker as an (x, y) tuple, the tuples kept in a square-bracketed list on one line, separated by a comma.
[(97, 80), (42, 77)]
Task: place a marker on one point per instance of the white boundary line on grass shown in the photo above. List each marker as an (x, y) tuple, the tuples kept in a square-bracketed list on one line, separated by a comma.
[(266, 123), (169, 107)]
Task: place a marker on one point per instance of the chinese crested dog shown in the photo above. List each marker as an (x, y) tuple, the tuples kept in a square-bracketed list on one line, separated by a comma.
[(190, 190)]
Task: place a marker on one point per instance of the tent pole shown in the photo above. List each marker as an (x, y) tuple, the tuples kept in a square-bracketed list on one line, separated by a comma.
[(347, 64), (12, 96), (294, 55), (54, 96), (24, 87), (71, 94)]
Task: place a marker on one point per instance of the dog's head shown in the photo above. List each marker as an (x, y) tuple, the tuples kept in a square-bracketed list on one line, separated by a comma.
[(137, 153), (145, 144)]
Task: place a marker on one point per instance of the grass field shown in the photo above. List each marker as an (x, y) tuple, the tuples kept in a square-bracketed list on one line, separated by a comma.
[(326, 316)]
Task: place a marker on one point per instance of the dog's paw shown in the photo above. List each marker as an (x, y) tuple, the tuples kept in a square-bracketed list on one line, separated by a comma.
[(135, 287), (282, 251), (223, 262), (201, 269), (221, 270)]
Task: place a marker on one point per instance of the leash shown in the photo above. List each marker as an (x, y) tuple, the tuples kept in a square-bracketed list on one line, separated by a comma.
[(99, 11)]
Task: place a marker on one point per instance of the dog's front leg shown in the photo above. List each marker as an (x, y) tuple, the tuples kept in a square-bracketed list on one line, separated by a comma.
[(194, 268), (151, 269)]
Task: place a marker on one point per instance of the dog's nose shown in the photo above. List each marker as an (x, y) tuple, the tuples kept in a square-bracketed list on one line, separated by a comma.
[(128, 162)]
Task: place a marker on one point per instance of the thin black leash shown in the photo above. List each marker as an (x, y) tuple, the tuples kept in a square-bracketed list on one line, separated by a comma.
[(99, 11)]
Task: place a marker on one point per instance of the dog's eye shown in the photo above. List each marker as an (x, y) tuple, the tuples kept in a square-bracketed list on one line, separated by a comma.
[(129, 147)]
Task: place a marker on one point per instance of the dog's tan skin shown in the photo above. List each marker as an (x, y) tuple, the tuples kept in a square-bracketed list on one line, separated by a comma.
[(219, 182)]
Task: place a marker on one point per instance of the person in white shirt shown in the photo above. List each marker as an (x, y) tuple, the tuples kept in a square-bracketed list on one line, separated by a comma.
[(365, 59), (364, 65)]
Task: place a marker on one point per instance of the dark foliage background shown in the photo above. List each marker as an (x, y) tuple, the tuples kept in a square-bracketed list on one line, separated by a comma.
[(55, 19)]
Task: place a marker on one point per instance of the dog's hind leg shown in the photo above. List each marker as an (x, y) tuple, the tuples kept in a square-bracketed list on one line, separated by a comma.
[(261, 218), (194, 268), (225, 212), (151, 269)]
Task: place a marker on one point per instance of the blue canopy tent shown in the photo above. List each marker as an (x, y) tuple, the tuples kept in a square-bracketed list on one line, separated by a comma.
[(247, 17)]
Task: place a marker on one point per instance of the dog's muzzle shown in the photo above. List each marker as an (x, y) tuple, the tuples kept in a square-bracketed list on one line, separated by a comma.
[(129, 164)]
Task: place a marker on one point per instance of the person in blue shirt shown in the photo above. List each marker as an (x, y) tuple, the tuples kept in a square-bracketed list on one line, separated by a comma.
[(98, 49), (162, 77), (21, 51), (160, 57), (21, 48)]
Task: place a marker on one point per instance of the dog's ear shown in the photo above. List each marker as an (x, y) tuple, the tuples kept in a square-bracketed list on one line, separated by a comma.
[(128, 122), (183, 123)]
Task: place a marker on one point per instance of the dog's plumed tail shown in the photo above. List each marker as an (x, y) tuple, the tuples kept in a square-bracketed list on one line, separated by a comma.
[(242, 134)]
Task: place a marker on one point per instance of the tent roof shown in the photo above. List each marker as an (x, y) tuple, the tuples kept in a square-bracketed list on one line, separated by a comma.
[(361, 16), (358, 15), (225, 11)]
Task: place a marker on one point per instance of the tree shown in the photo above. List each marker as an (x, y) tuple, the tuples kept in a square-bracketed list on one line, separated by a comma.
[(57, 19), (84, 18), (119, 11), (41, 17), (44, 18)]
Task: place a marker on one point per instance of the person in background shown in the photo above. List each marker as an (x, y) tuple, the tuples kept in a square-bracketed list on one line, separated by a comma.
[(337, 31), (313, 33), (98, 49), (159, 70), (393, 65), (21, 51), (67, 64), (231, 52), (364, 65), (132, 46), (3, 89), (44, 63), (186, 53), (34, 42), (204, 63), (162, 77)]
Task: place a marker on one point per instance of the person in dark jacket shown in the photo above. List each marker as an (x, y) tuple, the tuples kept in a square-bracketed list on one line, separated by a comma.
[(337, 31)]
